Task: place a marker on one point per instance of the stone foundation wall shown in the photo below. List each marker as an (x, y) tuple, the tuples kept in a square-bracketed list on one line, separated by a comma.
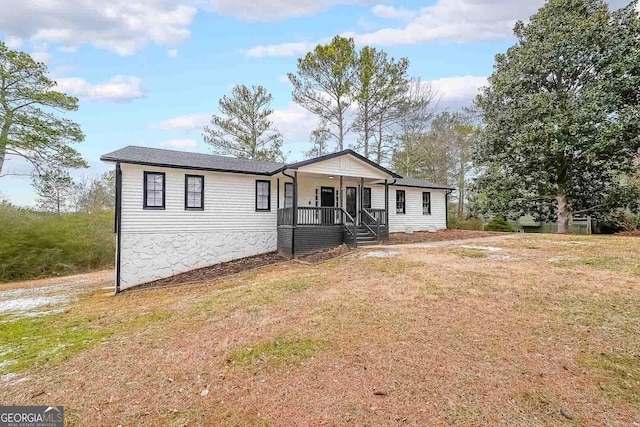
[(150, 256)]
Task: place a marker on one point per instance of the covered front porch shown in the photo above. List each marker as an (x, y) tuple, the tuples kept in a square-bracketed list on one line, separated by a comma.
[(325, 204)]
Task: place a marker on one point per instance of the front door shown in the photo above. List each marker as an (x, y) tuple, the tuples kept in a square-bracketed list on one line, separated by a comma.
[(352, 194), (327, 200)]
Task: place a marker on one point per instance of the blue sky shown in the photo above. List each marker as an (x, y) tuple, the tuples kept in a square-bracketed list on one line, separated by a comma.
[(151, 72)]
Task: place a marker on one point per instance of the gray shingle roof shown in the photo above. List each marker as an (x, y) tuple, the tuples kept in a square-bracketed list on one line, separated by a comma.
[(180, 159), (198, 161)]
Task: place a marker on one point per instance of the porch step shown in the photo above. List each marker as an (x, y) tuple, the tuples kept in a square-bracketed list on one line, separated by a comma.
[(363, 236)]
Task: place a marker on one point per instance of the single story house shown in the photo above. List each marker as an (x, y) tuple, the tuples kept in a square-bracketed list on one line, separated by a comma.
[(179, 211)]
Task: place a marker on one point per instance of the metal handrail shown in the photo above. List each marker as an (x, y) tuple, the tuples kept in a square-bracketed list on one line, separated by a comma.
[(353, 232), (377, 221)]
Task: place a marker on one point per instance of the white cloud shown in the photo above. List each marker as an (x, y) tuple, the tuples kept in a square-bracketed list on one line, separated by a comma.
[(456, 20), (282, 49), (195, 121), (448, 20), (13, 42), (384, 11), (41, 56), (116, 89), (284, 79), (294, 122), (275, 10), (120, 26), (68, 49), (180, 143), (457, 92), (173, 53)]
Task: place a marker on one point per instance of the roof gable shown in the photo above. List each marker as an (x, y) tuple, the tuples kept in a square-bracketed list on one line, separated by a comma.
[(346, 163)]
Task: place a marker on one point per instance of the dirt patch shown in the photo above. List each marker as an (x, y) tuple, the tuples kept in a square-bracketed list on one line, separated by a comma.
[(438, 236), (379, 254), (321, 256), (215, 271)]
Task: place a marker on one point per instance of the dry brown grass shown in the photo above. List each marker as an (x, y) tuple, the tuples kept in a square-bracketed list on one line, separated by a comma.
[(443, 338), (439, 236)]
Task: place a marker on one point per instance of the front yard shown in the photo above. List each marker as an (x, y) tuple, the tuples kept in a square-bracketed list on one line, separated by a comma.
[(518, 331)]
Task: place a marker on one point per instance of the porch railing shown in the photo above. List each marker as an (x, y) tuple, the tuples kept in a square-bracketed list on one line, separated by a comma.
[(285, 216), (372, 223), (319, 216), (313, 216), (379, 215)]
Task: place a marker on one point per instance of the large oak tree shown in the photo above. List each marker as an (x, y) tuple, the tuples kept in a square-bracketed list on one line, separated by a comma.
[(562, 112)]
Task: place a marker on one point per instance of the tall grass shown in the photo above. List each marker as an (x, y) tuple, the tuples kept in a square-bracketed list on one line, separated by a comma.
[(35, 244)]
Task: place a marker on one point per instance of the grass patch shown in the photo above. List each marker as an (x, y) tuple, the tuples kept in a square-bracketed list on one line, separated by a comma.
[(601, 262), (623, 374), (30, 341), (250, 296), (470, 253), (49, 339), (467, 416), (392, 266), (536, 401), (297, 284), (147, 318), (277, 353)]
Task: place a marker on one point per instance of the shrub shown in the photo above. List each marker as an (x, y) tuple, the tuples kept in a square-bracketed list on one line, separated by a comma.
[(464, 223), (36, 244), (618, 221), (471, 224), (498, 223)]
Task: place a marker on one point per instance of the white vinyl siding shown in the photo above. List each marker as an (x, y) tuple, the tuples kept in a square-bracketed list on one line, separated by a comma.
[(345, 166), (157, 243), (413, 218), (229, 203)]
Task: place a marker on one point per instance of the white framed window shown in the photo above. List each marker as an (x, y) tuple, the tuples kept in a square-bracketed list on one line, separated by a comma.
[(154, 190), (194, 192), (400, 202), (426, 203), (263, 196)]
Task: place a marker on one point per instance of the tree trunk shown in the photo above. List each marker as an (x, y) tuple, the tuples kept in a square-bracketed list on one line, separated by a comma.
[(340, 126), (461, 198), (2, 154), (563, 212), (379, 156), (366, 130)]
